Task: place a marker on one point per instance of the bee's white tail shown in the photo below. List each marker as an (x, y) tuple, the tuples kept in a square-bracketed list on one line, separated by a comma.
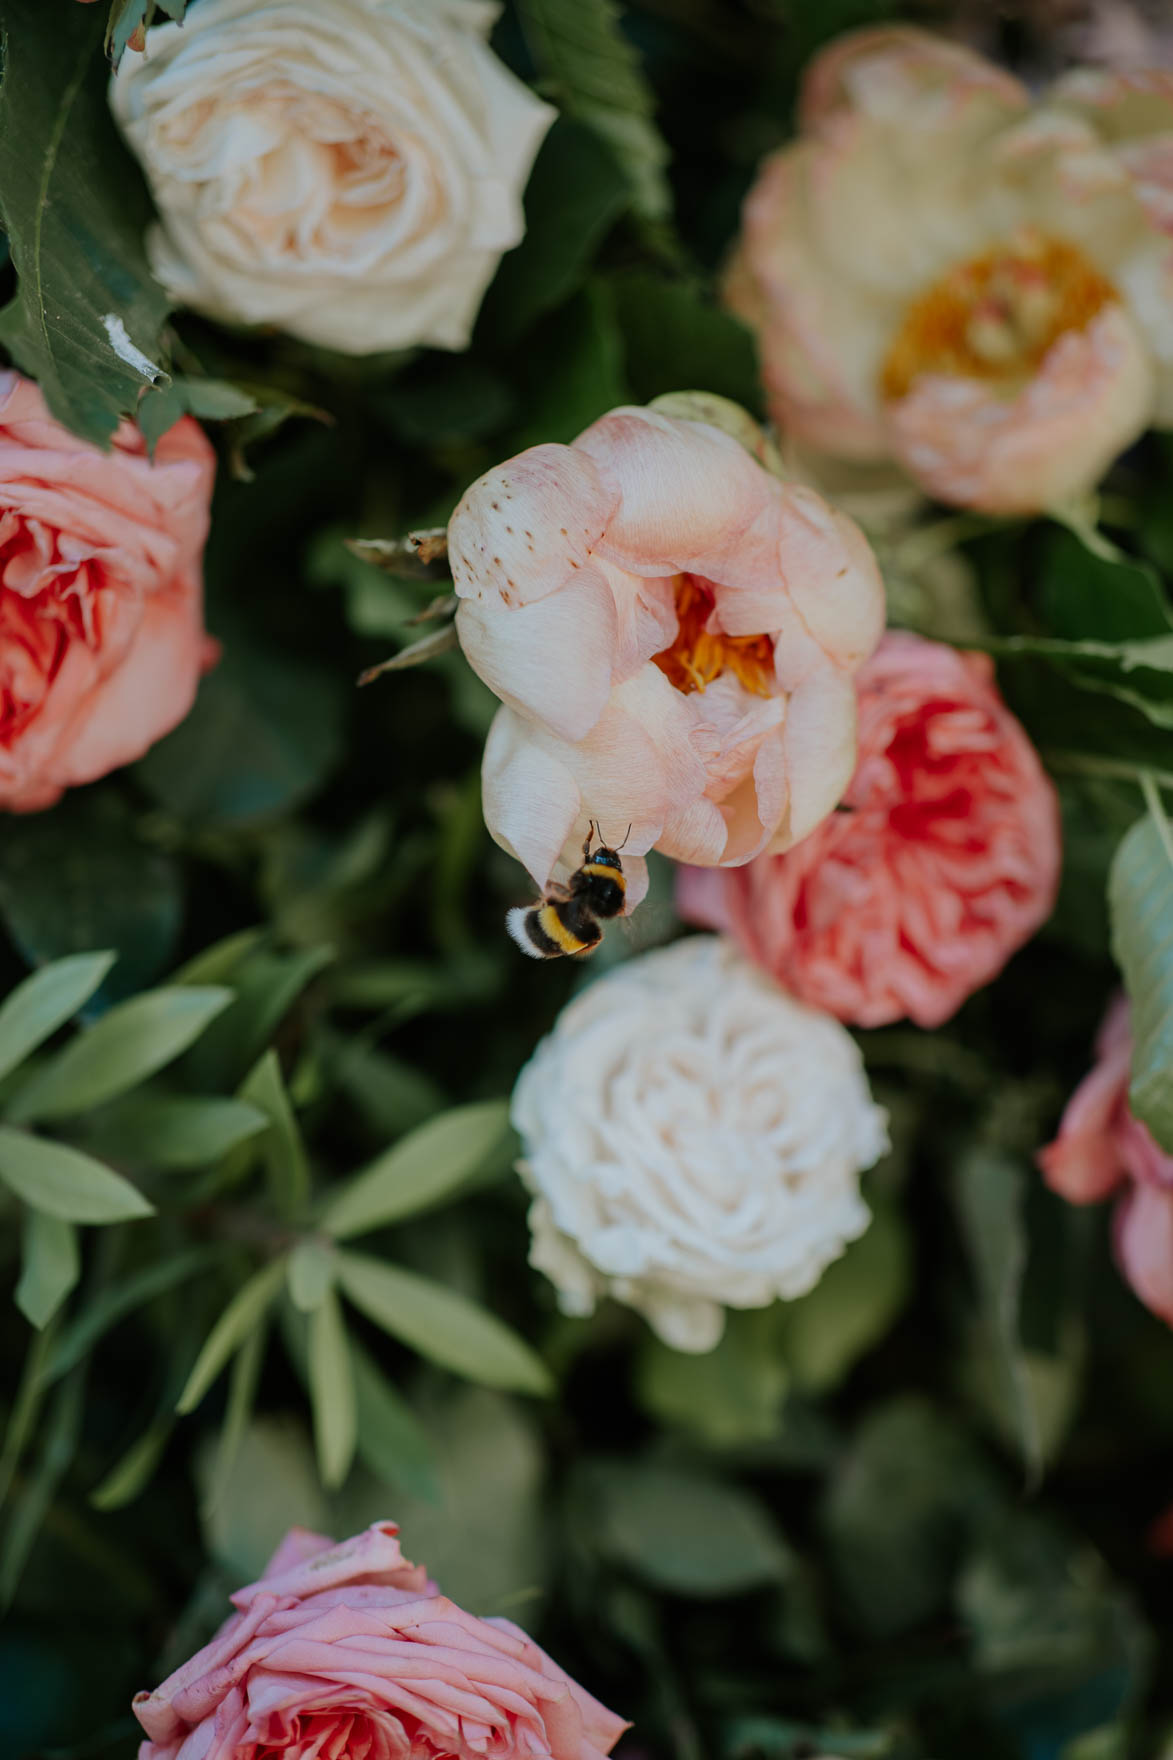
[(517, 925)]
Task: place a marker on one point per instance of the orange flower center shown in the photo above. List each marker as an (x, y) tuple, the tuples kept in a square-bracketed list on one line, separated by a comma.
[(698, 655), (995, 316)]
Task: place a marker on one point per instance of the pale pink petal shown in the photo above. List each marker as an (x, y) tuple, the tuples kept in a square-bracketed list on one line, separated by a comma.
[(819, 749), (684, 488), (519, 652), (701, 898), (892, 69), (832, 577), (695, 833), (1091, 397), (525, 527), (530, 797), (1084, 1164), (1144, 1245), (298, 1546)]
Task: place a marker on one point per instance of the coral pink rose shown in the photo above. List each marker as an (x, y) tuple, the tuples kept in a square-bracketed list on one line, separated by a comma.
[(1102, 1148), (349, 1650), (941, 273), (672, 633), (101, 595), (944, 860)]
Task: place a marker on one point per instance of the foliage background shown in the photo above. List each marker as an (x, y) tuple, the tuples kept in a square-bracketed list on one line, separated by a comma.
[(905, 1516)]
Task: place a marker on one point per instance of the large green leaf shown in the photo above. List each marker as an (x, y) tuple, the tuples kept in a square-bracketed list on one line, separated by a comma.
[(50, 1266), (283, 1150), (678, 339), (682, 1530), (1138, 673), (164, 1131), (79, 878), (594, 74), (851, 1307), (122, 1049), (45, 1001), (392, 1442), (731, 1395), (425, 1167), (573, 371), (87, 315), (440, 1325), (331, 1382), (63, 1182), (1087, 596), (1140, 898)]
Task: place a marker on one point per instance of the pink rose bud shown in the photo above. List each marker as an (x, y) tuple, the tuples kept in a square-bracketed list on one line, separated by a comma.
[(1101, 1148), (102, 636), (350, 1650), (943, 860)]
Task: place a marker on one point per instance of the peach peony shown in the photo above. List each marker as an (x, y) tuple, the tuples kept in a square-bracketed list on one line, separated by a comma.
[(672, 633), (1101, 1148), (101, 595), (943, 861), (940, 273), (350, 1650)]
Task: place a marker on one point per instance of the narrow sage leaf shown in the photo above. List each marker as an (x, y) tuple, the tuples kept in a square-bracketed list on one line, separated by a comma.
[(391, 1440), (129, 1475), (1140, 902), (61, 1436), (989, 1190), (245, 1311), (429, 1164), (331, 1382), (173, 1131), (220, 963), (45, 1001), (242, 1393), (50, 1266), (119, 1051), (445, 1327), (118, 1300), (283, 1150), (310, 1273), (63, 1182)]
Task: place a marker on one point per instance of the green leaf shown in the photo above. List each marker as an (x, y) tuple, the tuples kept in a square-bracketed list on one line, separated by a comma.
[(266, 988), (127, 16), (1138, 673), (244, 1312), (427, 1166), (116, 1301), (989, 1190), (1140, 899), (331, 1391), (220, 963), (675, 334), (119, 1051), (683, 1531), (730, 1395), (284, 1152), (310, 1273), (594, 74), (60, 1439), (45, 1001), (264, 733), (851, 1307), (173, 1131), (573, 370), (1084, 596), (65, 1183), (575, 193), (242, 1393), (210, 400), (79, 878), (88, 314), (50, 1266), (392, 1442), (440, 1325), (136, 1468)]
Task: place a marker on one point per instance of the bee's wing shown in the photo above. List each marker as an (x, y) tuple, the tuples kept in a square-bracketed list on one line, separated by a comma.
[(556, 890)]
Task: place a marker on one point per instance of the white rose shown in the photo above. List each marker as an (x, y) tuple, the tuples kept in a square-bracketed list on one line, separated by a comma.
[(349, 170), (694, 1139)]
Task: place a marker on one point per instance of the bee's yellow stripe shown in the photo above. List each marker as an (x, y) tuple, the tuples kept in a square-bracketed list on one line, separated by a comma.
[(552, 925), (607, 872)]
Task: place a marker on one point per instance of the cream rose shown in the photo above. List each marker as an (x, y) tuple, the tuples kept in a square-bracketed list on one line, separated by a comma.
[(348, 170), (693, 1138), (942, 273)]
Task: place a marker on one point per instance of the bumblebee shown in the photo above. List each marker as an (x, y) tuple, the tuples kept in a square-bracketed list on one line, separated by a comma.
[(566, 920)]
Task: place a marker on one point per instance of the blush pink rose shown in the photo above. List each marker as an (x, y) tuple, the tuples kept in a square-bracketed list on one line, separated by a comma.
[(101, 595), (1101, 1148), (943, 860), (672, 633), (348, 1652)]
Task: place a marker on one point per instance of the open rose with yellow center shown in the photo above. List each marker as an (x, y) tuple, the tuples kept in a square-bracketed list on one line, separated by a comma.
[(941, 273), (672, 633)]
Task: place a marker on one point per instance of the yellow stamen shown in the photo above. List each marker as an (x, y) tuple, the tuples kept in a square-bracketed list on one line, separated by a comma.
[(698, 655), (995, 316)]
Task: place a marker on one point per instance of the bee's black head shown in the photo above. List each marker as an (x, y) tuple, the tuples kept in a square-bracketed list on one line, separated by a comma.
[(606, 858)]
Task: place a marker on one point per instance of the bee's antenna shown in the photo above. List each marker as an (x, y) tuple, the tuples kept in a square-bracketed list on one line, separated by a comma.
[(626, 835), (590, 838)]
